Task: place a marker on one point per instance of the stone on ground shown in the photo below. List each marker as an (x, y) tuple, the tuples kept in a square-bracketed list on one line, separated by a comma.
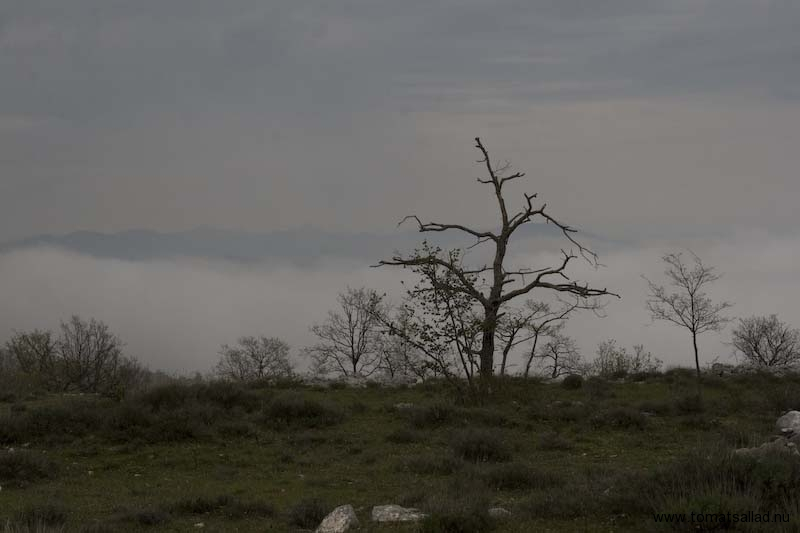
[(396, 513), (341, 519), (789, 423), (499, 513), (781, 445)]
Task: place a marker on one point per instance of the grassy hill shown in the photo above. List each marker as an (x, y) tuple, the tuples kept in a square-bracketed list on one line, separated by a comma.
[(603, 456)]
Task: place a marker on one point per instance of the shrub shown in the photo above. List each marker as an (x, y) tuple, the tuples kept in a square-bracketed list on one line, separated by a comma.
[(7, 397), (478, 416), (660, 408), (480, 446), (190, 423), (550, 440), (308, 513), (147, 517), (458, 510), (225, 505), (619, 418), (128, 422), (305, 440), (201, 504), (680, 375), (780, 399), (21, 468), (221, 394), (36, 517), (456, 520), (598, 389), (358, 407), (570, 501), (404, 436), (432, 465), (515, 476), (167, 397), (714, 478), (14, 527), (690, 404), (292, 410), (62, 423), (615, 362), (430, 416), (558, 412), (235, 429), (572, 381), (228, 395)]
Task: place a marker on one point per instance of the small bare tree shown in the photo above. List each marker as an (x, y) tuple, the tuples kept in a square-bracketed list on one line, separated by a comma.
[(492, 296), (615, 361), (90, 353), (350, 338), (36, 353), (254, 358), (86, 357), (535, 322), (8, 363), (688, 306), (558, 357), (767, 342)]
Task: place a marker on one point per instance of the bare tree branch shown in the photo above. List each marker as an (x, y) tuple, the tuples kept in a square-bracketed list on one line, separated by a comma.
[(499, 289)]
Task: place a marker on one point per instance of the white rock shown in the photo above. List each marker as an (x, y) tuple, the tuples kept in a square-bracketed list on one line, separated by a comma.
[(396, 513), (499, 513), (341, 519), (790, 421), (402, 406), (779, 445)]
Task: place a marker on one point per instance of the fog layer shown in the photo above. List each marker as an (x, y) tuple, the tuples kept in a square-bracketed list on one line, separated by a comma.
[(173, 315)]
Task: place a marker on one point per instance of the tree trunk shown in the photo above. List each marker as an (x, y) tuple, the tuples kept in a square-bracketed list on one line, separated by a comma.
[(487, 349), (532, 354), (696, 357)]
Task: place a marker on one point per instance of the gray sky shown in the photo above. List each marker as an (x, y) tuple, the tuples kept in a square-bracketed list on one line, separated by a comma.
[(630, 116), (667, 123)]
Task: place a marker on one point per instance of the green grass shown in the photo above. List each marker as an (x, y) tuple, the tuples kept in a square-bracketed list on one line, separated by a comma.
[(600, 457)]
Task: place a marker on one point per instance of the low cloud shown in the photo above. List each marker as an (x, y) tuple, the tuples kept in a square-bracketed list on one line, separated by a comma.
[(173, 315)]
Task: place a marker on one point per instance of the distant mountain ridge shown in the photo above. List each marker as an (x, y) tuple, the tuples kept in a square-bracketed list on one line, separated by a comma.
[(297, 246)]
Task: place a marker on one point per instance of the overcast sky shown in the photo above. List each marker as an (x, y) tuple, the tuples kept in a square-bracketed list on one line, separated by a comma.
[(628, 115), (654, 121)]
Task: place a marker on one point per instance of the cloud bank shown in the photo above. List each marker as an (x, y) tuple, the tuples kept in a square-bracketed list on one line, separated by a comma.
[(173, 315)]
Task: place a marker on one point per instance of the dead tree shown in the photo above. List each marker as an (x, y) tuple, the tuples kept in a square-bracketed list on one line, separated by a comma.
[(767, 342), (503, 283), (688, 306)]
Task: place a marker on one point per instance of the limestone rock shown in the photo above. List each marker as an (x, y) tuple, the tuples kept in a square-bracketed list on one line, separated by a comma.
[(396, 513), (781, 445), (341, 519), (499, 513), (789, 423)]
